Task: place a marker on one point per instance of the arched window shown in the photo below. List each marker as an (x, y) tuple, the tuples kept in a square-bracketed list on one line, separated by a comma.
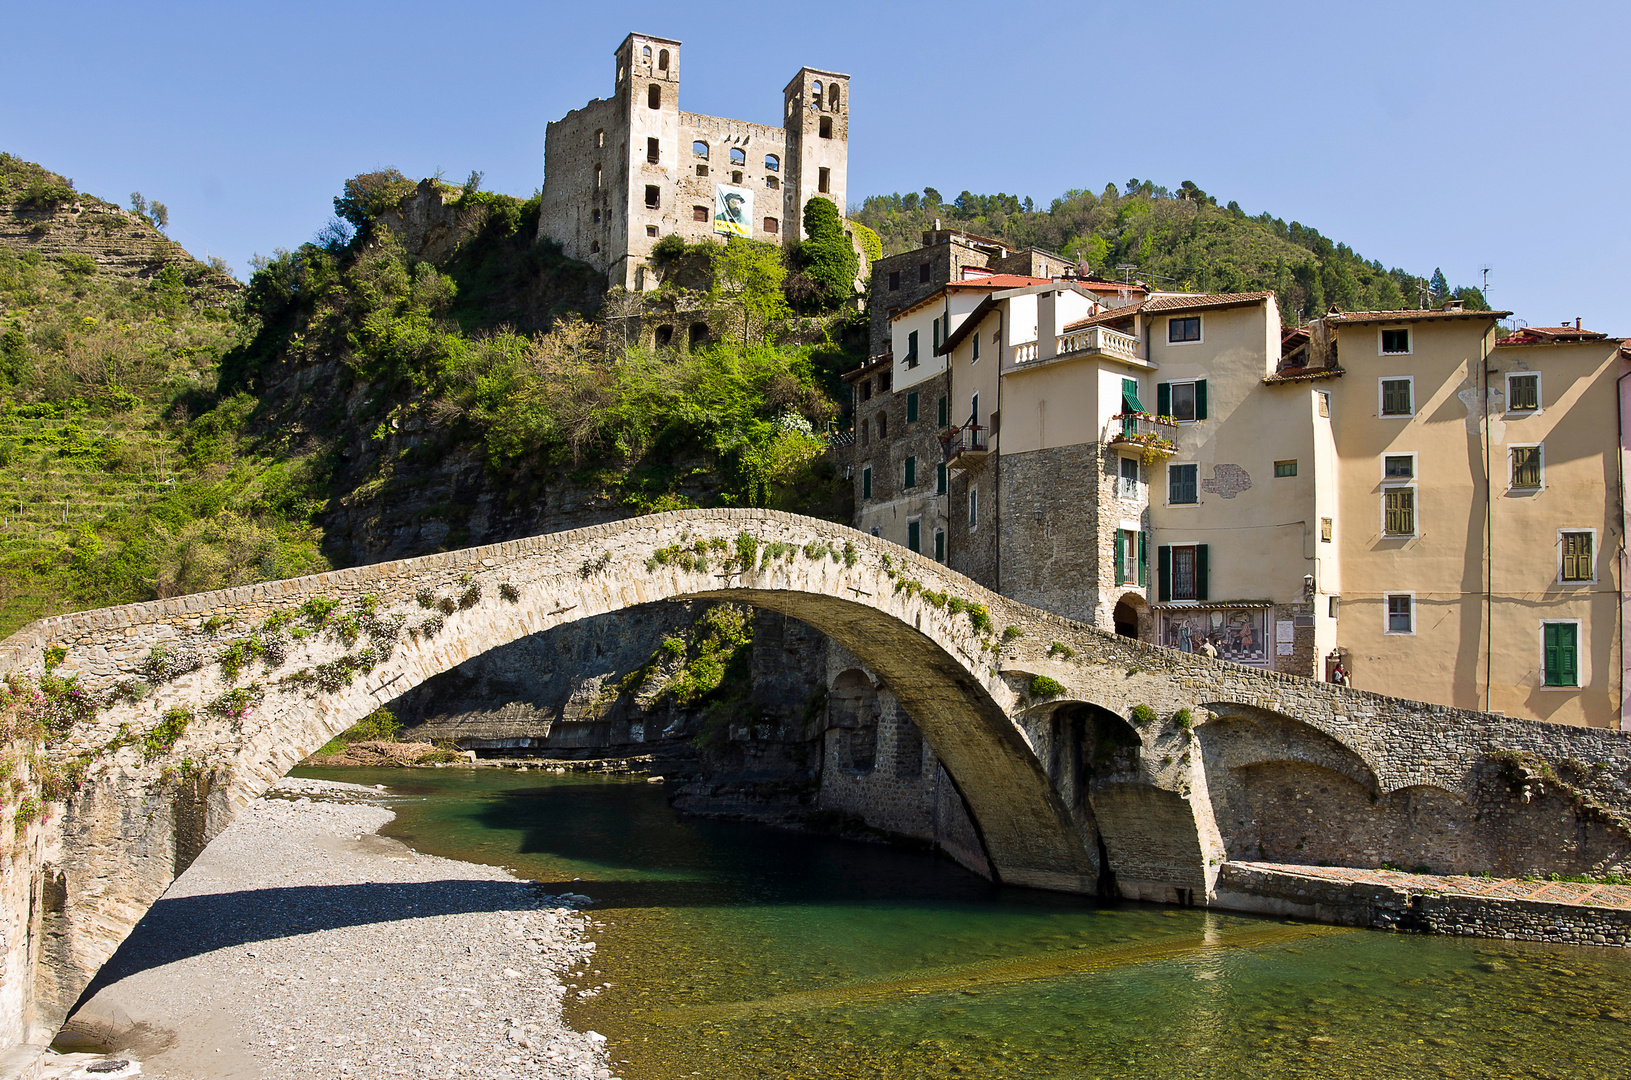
[(792, 102), (662, 60), (772, 183), (815, 92), (700, 149), (600, 137), (832, 97), (645, 54), (594, 247), (773, 163), (738, 156), (597, 177), (654, 97)]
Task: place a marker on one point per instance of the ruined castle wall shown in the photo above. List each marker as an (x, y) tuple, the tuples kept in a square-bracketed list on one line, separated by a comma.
[(584, 146)]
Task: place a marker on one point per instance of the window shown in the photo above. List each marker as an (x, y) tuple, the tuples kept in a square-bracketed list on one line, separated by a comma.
[(973, 507), (699, 213), (1182, 486), (1285, 468), (653, 154), (1184, 329), (1395, 342), (911, 349), (1129, 557), (974, 409), (654, 97), (883, 425), (1526, 468), (702, 170), (597, 215), (824, 181), (884, 379), (772, 183), (894, 280), (1325, 530), (773, 163), (1127, 482), (653, 197), (1181, 572), (1183, 401), (738, 156), (1399, 467), (825, 128), (1400, 613), (1560, 653), (699, 149), (866, 482), (914, 536), (772, 226), (1576, 556), (594, 247), (1399, 511), (940, 479), (1523, 392), (975, 339), (937, 335), (736, 177), (911, 475), (645, 54), (911, 407), (815, 93), (866, 390), (600, 137), (1324, 402), (597, 177), (940, 545), (1333, 605), (651, 230), (832, 97), (662, 60), (922, 272), (1398, 397), (942, 412)]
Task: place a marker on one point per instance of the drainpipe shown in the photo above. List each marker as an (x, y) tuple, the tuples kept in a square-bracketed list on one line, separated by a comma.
[(996, 466), (1619, 471), (1489, 529)]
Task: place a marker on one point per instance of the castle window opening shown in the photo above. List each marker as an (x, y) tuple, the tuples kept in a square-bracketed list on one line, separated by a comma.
[(792, 103), (736, 177), (773, 163), (699, 149), (653, 151), (597, 177), (665, 336), (699, 334), (594, 247), (885, 380), (922, 272), (597, 215), (832, 97), (600, 138), (772, 183), (824, 183), (702, 170), (645, 54), (894, 280), (620, 74), (653, 197), (699, 213), (772, 226), (815, 93), (738, 156), (883, 425), (826, 127), (654, 97), (662, 60), (651, 230)]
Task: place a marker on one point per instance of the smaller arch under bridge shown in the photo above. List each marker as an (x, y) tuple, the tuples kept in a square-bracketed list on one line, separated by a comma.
[(205, 700)]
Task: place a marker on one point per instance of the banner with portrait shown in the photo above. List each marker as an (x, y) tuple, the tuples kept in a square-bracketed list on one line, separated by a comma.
[(733, 211)]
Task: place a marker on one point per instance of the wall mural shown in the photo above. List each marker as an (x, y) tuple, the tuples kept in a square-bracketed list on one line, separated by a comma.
[(733, 211), (1239, 634)]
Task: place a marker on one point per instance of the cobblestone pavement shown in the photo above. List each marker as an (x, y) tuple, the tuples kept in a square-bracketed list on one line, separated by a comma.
[(1555, 892)]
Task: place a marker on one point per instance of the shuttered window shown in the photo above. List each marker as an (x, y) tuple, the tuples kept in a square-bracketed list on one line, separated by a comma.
[(866, 482), (1396, 397), (911, 407), (1577, 556), (940, 545), (1183, 401), (1522, 393), (941, 413), (1399, 512), (1181, 483), (914, 536), (1181, 572), (940, 479), (1526, 467), (911, 475), (1561, 645)]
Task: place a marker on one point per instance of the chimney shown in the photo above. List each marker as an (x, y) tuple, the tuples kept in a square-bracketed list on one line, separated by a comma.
[(1577, 322)]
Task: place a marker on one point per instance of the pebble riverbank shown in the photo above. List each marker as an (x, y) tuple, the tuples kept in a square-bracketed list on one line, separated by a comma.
[(301, 943)]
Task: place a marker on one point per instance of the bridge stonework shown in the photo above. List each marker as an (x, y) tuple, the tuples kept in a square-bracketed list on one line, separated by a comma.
[(1136, 768)]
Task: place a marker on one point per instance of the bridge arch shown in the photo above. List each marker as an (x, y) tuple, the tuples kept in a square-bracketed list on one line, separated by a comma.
[(265, 674)]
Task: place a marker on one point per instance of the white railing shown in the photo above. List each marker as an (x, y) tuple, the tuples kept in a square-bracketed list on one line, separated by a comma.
[(1025, 351), (1100, 339)]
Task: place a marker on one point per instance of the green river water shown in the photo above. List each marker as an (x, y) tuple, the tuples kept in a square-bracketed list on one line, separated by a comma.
[(736, 951)]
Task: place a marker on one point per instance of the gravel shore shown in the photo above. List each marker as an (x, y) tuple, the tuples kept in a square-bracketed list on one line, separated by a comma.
[(302, 943)]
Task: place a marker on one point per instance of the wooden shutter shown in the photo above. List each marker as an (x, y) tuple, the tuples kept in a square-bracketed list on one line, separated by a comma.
[(1568, 653), (911, 472), (1121, 553), (914, 535), (941, 418), (1200, 399), (1200, 571), (940, 479), (911, 408), (1163, 399), (866, 483), (1143, 560), (1163, 573)]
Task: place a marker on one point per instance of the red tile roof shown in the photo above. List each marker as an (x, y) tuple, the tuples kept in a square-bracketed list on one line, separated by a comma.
[(1000, 281), (1550, 335), (1172, 302), (1411, 315)]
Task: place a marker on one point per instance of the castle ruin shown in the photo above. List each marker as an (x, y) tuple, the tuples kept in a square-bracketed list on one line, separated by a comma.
[(623, 172)]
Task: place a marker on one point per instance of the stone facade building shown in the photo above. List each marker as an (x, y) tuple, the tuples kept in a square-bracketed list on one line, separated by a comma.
[(623, 172)]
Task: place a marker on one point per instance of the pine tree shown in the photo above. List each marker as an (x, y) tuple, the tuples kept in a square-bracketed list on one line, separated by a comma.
[(1438, 286)]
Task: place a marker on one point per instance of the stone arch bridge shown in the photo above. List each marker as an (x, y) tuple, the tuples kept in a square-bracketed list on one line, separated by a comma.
[(1085, 760)]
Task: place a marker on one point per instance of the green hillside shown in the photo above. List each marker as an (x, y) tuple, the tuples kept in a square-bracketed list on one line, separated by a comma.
[(1179, 240)]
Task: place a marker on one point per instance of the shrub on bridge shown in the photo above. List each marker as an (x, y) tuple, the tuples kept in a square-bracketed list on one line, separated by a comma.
[(1044, 687)]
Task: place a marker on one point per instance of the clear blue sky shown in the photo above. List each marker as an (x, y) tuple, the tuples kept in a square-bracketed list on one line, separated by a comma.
[(1453, 135)]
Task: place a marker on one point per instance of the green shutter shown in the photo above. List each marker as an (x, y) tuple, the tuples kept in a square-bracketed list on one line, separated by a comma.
[(1163, 573), (911, 474), (939, 545), (1562, 646), (1163, 399), (911, 407), (940, 479), (914, 535), (1143, 560), (1200, 571), (1121, 553), (866, 483), (941, 419), (1129, 396), (1200, 399)]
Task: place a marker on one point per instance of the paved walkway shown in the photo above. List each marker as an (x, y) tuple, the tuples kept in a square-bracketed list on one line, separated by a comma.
[(1556, 892)]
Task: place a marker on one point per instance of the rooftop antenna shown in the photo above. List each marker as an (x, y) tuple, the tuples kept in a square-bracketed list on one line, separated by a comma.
[(1485, 269), (1126, 271)]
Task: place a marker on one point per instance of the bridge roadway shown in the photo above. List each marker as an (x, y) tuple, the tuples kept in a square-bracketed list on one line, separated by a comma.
[(1144, 774)]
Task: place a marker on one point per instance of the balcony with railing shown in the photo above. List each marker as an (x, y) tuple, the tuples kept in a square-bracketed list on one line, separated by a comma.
[(965, 447), (1090, 341), (1149, 435)]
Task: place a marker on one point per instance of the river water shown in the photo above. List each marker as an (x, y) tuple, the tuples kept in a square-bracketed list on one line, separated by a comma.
[(735, 951)]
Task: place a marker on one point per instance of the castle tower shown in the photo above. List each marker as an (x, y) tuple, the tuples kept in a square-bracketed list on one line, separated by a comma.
[(648, 98), (816, 116)]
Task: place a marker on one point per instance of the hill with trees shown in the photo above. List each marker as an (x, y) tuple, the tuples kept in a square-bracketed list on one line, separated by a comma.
[(1174, 240)]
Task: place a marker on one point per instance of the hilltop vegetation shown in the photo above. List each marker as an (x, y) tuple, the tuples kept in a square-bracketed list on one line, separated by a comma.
[(1179, 240)]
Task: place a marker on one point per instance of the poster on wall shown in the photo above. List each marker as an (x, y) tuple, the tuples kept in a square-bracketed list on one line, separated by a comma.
[(733, 211), (1239, 634)]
